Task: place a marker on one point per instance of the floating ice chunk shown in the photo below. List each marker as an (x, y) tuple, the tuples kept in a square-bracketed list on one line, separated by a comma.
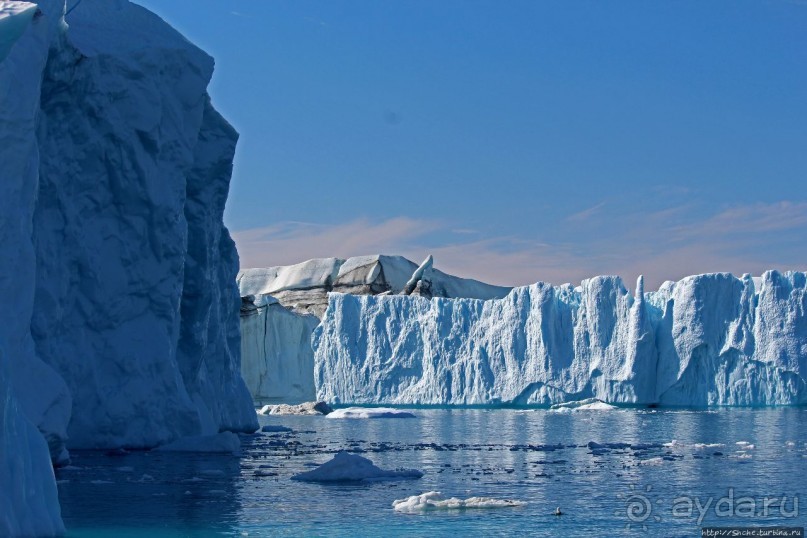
[(274, 428), (652, 461), (589, 404), (307, 408), (222, 443), (434, 500), (370, 412), (346, 467)]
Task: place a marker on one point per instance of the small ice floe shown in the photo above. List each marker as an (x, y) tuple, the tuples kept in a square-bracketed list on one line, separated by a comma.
[(790, 444), (145, 478), (192, 480), (745, 445), (308, 408), (652, 461), (370, 412), (678, 445), (434, 500), (222, 443), (275, 428), (589, 404), (704, 446), (346, 467)]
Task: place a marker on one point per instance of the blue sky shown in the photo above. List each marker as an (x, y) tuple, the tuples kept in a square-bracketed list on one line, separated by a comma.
[(516, 141)]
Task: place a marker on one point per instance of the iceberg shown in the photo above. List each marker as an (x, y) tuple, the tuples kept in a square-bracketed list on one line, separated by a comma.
[(589, 404), (434, 500), (120, 325), (278, 361), (29, 504), (281, 306), (707, 340), (370, 412), (346, 467), (304, 287), (304, 409)]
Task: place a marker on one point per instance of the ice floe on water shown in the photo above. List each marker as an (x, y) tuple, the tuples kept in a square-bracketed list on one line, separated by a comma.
[(370, 412), (346, 467), (678, 445), (307, 408), (589, 404), (434, 500)]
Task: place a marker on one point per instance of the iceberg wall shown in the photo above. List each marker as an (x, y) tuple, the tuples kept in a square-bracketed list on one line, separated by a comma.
[(136, 303), (705, 340), (31, 393), (281, 306), (278, 365)]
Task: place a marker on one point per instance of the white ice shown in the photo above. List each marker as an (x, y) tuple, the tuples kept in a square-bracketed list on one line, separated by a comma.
[(707, 340), (434, 500), (370, 412), (589, 404)]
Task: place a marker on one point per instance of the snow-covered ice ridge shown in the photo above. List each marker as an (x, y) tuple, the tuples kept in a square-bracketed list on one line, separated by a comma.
[(304, 287), (706, 340), (119, 325), (281, 306)]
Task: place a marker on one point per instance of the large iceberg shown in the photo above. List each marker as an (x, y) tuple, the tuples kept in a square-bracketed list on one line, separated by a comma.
[(304, 287), (706, 340), (281, 306), (119, 325)]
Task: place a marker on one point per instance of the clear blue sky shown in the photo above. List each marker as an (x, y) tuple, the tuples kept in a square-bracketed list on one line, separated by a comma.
[(517, 141)]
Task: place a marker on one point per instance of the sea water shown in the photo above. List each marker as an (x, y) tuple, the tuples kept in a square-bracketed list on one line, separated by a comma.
[(634, 472)]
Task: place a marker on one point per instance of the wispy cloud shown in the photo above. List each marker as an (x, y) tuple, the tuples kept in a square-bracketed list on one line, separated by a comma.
[(586, 213), (662, 244)]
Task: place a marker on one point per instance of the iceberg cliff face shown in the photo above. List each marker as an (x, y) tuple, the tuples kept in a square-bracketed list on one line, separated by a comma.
[(136, 306), (120, 319), (28, 500), (281, 306), (706, 340), (278, 365)]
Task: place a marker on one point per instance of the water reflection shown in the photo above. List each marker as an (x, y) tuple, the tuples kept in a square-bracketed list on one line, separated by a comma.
[(585, 462)]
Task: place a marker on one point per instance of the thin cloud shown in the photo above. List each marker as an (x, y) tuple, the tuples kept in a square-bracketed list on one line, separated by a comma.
[(586, 213), (652, 243)]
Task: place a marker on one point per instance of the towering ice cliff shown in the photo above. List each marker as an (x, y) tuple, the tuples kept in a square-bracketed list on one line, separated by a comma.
[(281, 306), (706, 340), (119, 325)]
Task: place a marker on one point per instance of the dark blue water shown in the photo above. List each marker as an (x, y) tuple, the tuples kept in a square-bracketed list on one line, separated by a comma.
[(639, 483)]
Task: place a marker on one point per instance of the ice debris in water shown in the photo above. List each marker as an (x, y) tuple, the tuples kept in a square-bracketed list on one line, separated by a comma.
[(589, 404), (307, 408), (434, 500), (370, 412), (346, 467)]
